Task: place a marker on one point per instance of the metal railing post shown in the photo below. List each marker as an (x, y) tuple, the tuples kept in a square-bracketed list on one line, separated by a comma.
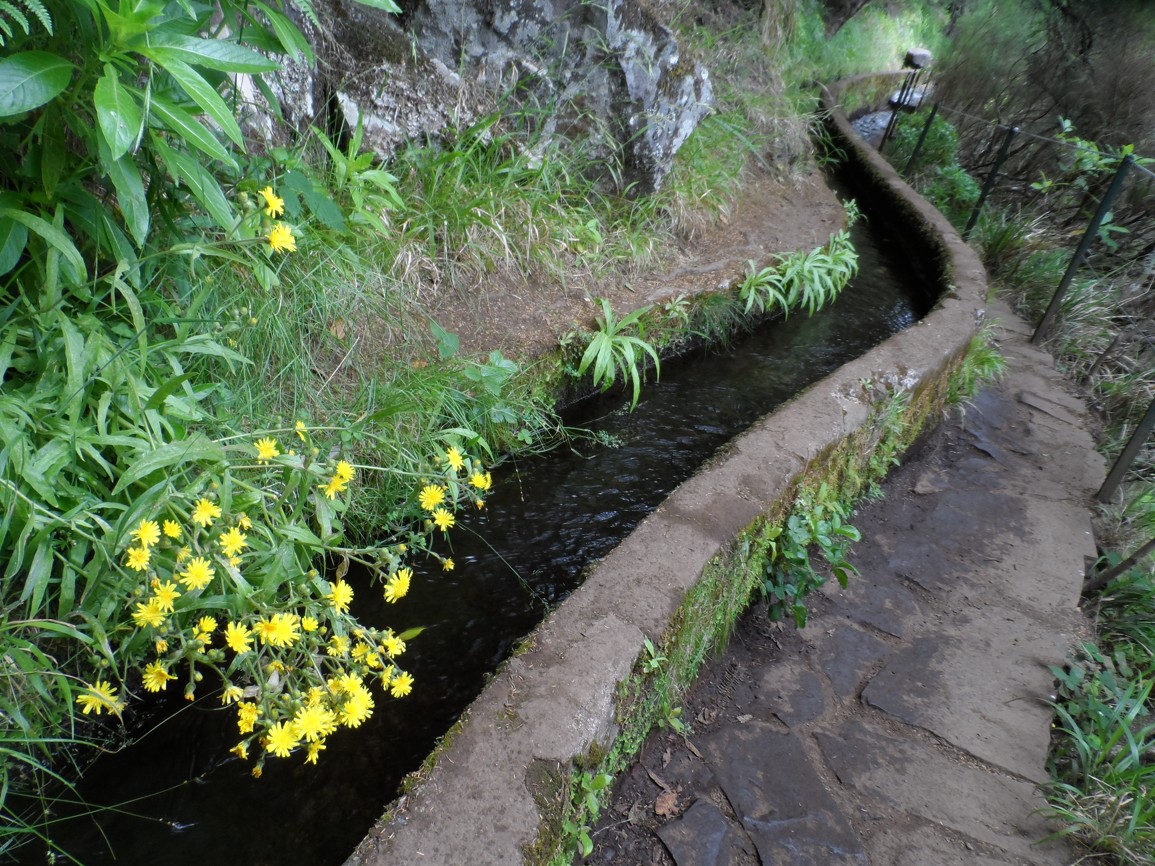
[(1084, 244), (921, 138), (989, 184), (903, 93), (1136, 442)]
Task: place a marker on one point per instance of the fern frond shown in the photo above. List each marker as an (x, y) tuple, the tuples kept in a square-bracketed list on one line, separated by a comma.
[(306, 9), (11, 12), (37, 8)]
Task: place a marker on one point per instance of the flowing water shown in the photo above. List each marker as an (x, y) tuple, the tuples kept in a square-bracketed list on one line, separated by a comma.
[(545, 522)]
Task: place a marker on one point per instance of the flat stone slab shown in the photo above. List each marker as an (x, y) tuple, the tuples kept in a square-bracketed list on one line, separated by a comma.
[(791, 692), (780, 798), (847, 655), (704, 836), (920, 845), (981, 684), (920, 780)]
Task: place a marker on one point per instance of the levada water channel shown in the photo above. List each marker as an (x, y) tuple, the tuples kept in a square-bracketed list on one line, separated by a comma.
[(176, 795)]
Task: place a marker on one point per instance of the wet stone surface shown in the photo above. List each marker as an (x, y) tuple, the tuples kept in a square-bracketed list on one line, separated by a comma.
[(906, 724)]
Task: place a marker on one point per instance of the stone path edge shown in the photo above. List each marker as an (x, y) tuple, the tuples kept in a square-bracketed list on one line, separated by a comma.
[(498, 781)]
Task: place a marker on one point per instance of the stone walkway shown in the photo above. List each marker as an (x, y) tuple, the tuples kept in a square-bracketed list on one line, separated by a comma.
[(907, 724)]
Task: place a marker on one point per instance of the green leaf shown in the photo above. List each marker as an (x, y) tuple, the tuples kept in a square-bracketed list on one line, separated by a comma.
[(13, 238), (53, 148), (218, 54), (291, 38), (188, 129), (199, 181), (386, 5), (52, 235), (130, 195), (447, 343), (30, 79), (201, 92), (196, 449), (117, 113)]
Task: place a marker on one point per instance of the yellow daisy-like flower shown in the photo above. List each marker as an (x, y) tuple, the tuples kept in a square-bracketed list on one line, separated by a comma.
[(156, 678), (274, 204), (444, 519), (183, 554), (480, 503), (300, 428), (401, 685), (455, 459), (161, 646), (148, 614), (206, 512), (314, 752), (281, 239), (238, 637), (241, 750), (247, 715), (232, 694), (165, 595), (314, 722), (280, 630), (138, 558), (98, 697), (309, 623), (344, 470), (338, 646), (172, 529), (233, 541), (336, 485), (282, 739), (447, 564), (481, 481), (394, 646), (206, 625), (257, 771), (197, 574), (398, 585), (267, 449), (357, 708), (340, 594), (147, 533), (431, 496)]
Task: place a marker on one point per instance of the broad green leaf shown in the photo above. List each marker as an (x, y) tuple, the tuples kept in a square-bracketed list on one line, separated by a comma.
[(201, 92), (52, 235), (30, 79), (197, 448), (199, 181), (216, 54), (13, 238), (447, 343), (117, 113), (53, 148), (130, 194), (291, 38), (187, 128)]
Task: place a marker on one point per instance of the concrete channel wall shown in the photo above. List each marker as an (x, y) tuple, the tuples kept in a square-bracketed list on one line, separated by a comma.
[(499, 780)]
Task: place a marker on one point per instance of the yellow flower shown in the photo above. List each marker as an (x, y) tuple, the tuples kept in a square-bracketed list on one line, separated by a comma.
[(166, 594), (241, 750), (156, 677), (247, 715), (274, 204), (357, 708), (279, 630), (398, 585), (481, 482), (232, 694), (257, 771), (300, 428), (314, 752), (338, 646), (161, 646), (309, 623), (394, 646), (183, 554), (455, 459), (206, 512), (206, 625), (344, 470), (282, 739), (233, 542), (480, 503), (235, 561), (243, 521), (447, 565), (267, 449), (238, 637), (147, 533), (336, 485), (401, 685), (138, 558), (431, 496), (99, 697), (314, 722), (340, 594), (148, 614), (443, 519), (172, 529), (197, 574), (281, 239)]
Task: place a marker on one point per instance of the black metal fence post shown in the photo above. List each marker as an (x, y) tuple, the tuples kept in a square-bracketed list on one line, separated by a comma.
[(989, 184), (1136, 442), (903, 94), (921, 138), (1084, 244)]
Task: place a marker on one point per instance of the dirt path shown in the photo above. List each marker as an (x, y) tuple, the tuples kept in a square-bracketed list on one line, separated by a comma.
[(907, 724)]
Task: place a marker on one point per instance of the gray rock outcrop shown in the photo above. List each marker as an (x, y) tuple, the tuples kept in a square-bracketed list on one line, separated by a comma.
[(609, 77)]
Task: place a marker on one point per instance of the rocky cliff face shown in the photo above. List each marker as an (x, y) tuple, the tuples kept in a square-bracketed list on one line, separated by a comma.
[(607, 75)]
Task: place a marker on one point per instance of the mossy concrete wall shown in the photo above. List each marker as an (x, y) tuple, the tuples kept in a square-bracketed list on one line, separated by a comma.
[(496, 790)]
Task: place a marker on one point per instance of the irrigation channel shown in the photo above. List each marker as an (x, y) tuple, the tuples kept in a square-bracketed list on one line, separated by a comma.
[(546, 520)]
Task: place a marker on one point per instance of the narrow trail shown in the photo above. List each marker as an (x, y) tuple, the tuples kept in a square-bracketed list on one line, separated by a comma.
[(907, 724)]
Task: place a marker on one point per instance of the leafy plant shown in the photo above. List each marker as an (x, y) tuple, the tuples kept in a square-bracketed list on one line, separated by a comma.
[(817, 520), (613, 351), (587, 791)]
